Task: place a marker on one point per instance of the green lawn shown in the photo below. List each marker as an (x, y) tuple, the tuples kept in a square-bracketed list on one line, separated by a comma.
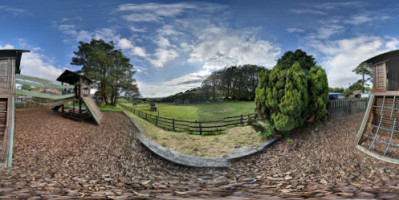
[(109, 107), (200, 112)]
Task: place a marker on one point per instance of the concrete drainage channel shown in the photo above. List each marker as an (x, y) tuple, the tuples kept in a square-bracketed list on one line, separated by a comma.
[(192, 161)]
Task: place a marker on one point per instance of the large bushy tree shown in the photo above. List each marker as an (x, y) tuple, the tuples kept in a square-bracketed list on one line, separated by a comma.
[(295, 91), (108, 68)]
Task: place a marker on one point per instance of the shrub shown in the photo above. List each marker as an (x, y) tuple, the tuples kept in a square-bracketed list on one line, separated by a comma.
[(294, 91), (318, 92), (258, 127)]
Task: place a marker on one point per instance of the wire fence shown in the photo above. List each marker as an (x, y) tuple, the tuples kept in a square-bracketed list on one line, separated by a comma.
[(192, 127)]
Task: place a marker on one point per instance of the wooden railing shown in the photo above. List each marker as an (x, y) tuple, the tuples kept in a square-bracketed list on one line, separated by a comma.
[(192, 127)]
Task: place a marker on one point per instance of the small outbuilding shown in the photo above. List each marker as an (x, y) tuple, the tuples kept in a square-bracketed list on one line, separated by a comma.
[(378, 135), (10, 60)]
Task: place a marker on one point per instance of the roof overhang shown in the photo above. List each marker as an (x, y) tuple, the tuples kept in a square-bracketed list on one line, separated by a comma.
[(71, 77), (383, 57), (17, 54)]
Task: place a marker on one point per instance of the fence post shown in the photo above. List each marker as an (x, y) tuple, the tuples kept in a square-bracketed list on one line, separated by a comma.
[(241, 121), (200, 128), (173, 123), (156, 120)]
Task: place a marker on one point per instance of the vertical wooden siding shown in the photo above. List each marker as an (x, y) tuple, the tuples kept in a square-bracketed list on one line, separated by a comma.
[(344, 107)]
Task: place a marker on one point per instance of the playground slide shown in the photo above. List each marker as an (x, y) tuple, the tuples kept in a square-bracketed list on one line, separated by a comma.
[(93, 109)]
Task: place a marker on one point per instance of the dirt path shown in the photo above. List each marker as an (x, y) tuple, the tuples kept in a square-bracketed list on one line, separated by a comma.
[(56, 157)]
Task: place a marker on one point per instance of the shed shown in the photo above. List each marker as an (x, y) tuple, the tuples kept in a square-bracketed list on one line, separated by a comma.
[(378, 135), (10, 60), (16, 54)]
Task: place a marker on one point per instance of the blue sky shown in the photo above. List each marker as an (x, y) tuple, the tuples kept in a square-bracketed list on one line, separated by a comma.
[(174, 45)]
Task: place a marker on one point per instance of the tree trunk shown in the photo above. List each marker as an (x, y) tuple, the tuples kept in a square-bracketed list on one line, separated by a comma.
[(363, 83)]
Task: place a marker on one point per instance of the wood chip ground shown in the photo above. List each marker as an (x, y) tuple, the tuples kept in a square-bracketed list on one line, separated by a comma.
[(59, 158)]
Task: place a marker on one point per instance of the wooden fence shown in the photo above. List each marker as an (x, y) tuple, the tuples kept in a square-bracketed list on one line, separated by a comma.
[(344, 107), (193, 127)]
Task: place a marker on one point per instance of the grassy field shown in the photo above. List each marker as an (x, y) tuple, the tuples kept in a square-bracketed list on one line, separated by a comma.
[(200, 112), (199, 145)]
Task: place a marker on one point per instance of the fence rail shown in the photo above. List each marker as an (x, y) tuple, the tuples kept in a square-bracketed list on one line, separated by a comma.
[(193, 127), (344, 107), (25, 102)]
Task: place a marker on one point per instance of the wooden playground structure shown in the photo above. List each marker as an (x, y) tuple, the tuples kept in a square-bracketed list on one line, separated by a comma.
[(82, 97), (78, 91), (378, 135)]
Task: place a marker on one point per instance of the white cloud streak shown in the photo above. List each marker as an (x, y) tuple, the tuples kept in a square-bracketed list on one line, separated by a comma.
[(220, 47), (295, 30)]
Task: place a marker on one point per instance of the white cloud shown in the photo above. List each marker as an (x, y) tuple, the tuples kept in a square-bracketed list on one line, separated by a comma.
[(7, 46), (34, 64), (125, 43), (295, 30), (364, 18), (71, 30), (220, 47), (139, 51), (179, 84), (308, 11), (326, 30), (154, 12), (358, 19), (15, 11), (134, 29), (162, 56), (342, 56), (336, 5)]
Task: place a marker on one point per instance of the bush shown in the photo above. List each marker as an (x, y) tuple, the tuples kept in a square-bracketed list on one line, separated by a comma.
[(288, 96), (264, 131), (318, 92)]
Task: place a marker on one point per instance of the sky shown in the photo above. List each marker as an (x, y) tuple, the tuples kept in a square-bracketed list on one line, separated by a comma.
[(175, 45)]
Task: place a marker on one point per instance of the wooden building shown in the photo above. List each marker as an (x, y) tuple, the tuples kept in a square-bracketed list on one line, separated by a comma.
[(10, 60), (378, 135), (82, 97)]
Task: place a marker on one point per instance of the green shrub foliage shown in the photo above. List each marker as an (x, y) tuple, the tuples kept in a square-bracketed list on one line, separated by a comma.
[(318, 91), (289, 96)]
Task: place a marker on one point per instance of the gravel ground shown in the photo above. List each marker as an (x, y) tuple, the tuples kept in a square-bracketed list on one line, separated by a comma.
[(56, 157)]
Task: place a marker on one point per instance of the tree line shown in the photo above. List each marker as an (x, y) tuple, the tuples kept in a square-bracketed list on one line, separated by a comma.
[(235, 83)]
